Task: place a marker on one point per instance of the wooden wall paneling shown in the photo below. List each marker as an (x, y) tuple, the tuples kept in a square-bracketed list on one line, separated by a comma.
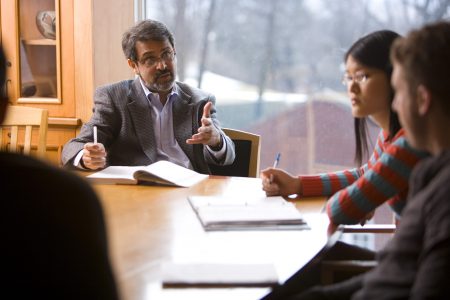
[(90, 33), (99, 27)]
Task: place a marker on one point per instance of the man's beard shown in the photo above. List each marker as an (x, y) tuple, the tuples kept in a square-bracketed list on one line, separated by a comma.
[(163, 86)]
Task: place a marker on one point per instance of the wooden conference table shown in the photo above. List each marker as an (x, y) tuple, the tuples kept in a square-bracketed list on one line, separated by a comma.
[(150, 225)]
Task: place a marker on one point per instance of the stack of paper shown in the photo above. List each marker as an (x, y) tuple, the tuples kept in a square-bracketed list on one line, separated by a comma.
[(218, 275), (267, 213)]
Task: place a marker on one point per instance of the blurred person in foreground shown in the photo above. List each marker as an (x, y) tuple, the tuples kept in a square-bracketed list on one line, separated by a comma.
[(54, 243)]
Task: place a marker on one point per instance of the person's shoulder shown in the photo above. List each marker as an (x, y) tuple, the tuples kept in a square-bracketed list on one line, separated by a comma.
[(401, 145), (399, 140), (116, 92), (195, 93), (431, 177), (26, 170), (434, 164), (13, 160), (118, 85)]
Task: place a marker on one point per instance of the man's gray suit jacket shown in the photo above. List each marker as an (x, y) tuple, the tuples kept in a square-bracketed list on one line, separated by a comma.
[(122, 115)]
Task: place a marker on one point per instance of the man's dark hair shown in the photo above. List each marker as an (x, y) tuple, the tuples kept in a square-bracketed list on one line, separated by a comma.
[(424, 55), (146, 30)]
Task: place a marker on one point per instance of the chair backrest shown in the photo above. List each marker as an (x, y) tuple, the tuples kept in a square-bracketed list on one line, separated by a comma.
[(19, 117), (246, 163)]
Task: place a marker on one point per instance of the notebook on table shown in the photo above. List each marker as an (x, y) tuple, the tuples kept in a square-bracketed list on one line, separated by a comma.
[(235, 213)]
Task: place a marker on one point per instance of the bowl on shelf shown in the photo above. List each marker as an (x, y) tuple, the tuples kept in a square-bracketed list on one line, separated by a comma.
[(46, 23)]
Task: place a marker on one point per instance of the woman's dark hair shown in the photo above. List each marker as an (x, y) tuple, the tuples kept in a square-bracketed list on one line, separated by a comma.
[(373, 51)]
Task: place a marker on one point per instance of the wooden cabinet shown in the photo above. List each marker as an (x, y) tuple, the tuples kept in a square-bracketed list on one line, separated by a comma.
[(58, 52)]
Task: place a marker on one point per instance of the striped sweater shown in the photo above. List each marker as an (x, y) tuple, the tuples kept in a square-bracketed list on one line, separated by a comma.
[(357, 192)]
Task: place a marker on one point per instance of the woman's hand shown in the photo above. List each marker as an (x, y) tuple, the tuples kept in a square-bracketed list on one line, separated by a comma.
[(278, 182)]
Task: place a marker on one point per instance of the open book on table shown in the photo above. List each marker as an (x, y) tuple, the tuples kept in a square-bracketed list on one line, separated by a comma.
[(236, 213), (161, 172)]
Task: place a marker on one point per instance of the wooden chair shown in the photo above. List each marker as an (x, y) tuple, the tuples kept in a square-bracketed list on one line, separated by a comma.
[(246, 163), (22, 119)]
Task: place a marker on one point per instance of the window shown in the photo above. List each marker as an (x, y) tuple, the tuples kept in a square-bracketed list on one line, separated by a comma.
[(276, 66)]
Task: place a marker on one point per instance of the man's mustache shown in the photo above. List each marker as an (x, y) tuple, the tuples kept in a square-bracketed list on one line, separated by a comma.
[(159, 74)]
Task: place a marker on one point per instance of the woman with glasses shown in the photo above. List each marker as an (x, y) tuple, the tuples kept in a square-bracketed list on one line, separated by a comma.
[(356, 193)]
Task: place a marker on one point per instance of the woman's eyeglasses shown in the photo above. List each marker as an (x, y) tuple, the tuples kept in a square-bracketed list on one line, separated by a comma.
[(358, 78)]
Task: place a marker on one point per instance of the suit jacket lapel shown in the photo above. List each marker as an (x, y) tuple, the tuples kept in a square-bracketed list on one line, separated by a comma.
[(186, 121), (139, 108), (183, 125)]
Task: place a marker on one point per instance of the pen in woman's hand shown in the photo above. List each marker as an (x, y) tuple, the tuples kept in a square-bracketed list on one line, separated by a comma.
[(275, 164), (277, 160)]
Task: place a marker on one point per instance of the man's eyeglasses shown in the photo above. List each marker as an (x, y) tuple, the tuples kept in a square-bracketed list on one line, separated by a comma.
[(152, 61), (358, 78)]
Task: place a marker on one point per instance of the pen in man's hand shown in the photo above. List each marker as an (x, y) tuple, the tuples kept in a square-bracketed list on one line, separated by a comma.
[(95, 134), (275, 164)]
